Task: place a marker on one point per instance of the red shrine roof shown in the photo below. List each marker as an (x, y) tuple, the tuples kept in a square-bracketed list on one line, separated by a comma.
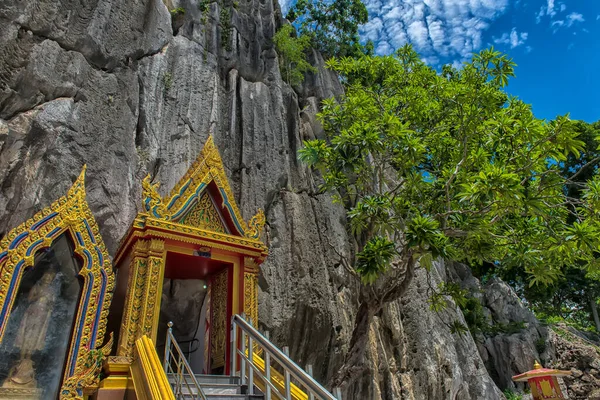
[(537, 372)]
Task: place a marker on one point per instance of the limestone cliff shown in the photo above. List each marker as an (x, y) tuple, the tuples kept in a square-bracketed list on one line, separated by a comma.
[(117, 86)]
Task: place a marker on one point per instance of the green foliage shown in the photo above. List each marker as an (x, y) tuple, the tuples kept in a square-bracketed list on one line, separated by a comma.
[(332, 25), (510, 395), (540, 345), (473, 312), (448, 164), (168, 80), (292, 54), (374, 258), (203, 6), (225, 21), (570, 297), (177, 11)]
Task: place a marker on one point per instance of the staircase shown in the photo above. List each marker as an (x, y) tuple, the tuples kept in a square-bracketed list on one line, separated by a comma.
[(256, 378), (215, 387)]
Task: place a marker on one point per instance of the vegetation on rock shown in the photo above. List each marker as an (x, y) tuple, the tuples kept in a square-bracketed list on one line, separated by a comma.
[(292, 54), (448, 165)]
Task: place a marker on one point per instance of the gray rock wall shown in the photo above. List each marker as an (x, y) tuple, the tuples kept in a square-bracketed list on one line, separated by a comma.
[(107, 84)]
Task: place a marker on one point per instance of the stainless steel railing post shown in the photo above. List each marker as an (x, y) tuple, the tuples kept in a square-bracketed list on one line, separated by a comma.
[(243, 365), (168, 344), (233, 360), (309, 371), (268, 369), (288, 394), (251, 361)]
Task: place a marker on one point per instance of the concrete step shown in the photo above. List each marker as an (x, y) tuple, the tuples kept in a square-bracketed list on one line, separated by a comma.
[(220, 388), (221, 379), (222, 397)]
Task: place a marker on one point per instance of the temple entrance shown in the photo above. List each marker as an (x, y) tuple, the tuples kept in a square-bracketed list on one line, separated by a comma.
[(189, 258), (195, 288)]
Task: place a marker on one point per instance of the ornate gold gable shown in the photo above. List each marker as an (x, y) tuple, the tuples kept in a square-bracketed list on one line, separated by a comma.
[(191, 196), (69, 214)]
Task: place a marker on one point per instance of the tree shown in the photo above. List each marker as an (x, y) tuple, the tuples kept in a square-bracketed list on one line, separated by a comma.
[(292, 54), (446, 165), (332, 26), (573, 297)]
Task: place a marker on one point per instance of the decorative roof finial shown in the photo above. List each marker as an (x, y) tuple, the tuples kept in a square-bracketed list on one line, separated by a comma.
[(537, 365)]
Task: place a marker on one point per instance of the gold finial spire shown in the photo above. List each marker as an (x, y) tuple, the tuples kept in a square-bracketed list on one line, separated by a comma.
[(537, 365)]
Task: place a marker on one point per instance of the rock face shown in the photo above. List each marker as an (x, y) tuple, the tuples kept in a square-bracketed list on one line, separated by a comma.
[(108, 84), (581, 356), (517, 339)]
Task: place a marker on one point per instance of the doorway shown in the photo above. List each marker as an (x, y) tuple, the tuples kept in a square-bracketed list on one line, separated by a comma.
[(196, 299)]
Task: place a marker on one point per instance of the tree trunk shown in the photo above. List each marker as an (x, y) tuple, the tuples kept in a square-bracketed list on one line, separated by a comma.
[(354, 362), (594, 308)]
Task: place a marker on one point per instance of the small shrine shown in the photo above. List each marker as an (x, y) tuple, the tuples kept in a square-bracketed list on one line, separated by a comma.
[(190, 259), (543, 382)]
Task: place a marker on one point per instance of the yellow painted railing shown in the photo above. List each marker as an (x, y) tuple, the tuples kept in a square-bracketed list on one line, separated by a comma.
[(276, 379), (149, 378)]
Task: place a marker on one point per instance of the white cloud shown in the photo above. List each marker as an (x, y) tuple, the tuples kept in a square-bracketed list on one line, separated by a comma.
[(540, 15), (514, 39), (550, 9), (573, 18), (440, 30)]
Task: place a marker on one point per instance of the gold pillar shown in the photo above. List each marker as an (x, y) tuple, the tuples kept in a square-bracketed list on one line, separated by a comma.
[(144, 288), (251, 289), (153, 292), (133, 299)]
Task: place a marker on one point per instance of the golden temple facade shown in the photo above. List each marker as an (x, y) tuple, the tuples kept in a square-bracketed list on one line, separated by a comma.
[(75, 325)]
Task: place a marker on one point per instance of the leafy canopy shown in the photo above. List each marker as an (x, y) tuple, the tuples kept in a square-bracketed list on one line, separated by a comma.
[(331, 25), (292, 54), (573, 297), (449, 165)]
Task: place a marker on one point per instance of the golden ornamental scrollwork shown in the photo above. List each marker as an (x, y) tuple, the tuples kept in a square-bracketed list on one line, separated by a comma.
[(256, 225), (152, 201), (135, 300), (69, 214), (218, 332), (251, 271), (204, 215), (90, 377)]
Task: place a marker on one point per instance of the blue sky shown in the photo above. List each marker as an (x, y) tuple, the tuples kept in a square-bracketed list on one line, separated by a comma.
[(556, 44)]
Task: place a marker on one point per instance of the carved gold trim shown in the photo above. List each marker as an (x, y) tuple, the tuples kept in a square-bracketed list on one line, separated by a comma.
[(142, 304), (70, 214), (153, 291), (136, 235), (251, 289), (207, 168), (134, 300), (218, 331)]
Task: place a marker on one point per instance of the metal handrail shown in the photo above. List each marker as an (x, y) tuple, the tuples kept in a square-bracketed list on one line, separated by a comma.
[(183, 369), (271, 352)]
